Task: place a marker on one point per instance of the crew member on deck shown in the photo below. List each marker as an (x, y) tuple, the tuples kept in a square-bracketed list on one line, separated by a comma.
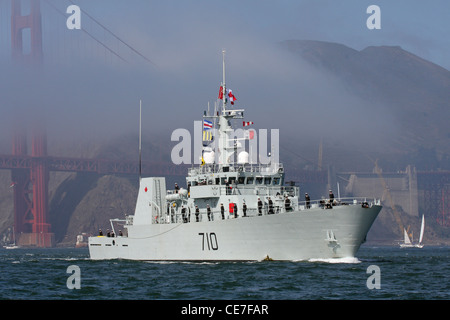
[(208, 210), (270, 206), (183, 214), (308, 201), (331, 196), (222, 211), (260, 205), (177, 188), (244, 209), (197, 213), (287, 204)]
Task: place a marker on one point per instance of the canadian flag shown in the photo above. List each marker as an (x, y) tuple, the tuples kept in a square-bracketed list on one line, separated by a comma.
[(229, 93), (247, 123), (231, 96)]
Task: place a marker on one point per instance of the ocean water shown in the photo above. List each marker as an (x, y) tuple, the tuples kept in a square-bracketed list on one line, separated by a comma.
[(378, 273)]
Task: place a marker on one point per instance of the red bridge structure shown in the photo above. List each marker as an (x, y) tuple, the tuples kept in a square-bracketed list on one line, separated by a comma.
[(30, 178)]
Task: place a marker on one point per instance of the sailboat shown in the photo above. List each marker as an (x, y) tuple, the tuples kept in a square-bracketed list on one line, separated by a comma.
[(12, 245), (407, 243)]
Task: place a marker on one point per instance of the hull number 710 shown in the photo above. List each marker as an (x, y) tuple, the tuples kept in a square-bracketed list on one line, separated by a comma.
[(209, 241)]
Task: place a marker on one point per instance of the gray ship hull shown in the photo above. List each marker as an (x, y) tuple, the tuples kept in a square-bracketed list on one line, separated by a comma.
[(315, 233)]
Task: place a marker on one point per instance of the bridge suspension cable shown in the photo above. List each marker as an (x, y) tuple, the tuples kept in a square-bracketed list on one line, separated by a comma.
[(96, 38), (114, 35)]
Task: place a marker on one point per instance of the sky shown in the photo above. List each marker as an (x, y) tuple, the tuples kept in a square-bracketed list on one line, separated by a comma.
[(87, 91)]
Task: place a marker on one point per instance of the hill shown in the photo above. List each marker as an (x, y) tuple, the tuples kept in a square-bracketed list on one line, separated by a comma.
[(415, 91)]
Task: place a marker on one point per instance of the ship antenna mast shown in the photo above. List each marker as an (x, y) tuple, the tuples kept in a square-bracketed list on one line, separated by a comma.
[(140, 139), (224, 104)]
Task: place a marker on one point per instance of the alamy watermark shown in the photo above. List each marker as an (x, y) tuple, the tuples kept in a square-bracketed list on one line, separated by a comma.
[(74, 20), (374, 280), (374, 21), (243, 146), (74, 280)]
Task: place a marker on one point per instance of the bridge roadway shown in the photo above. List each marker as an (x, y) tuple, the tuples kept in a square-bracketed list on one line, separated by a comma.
[(100, 166), (104, 166)]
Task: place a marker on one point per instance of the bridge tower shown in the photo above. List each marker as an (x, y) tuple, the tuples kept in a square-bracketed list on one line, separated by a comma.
[(19, 23), (30, 185)]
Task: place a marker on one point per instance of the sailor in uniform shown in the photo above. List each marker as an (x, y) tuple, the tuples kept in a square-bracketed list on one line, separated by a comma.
[(307, 199), (183, 214), (287, 204), (260, 205), (208, 210), (331, 196), (222, 211), (197, 213), (270, 206)]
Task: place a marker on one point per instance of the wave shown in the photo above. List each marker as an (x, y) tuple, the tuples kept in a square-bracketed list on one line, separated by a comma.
[(181, 262), (336, 260)]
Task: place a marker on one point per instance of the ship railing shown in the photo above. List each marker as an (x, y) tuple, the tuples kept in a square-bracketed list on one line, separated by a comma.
[(261, 190), (326, 203), (247, 167), (215, 215), (277, 207), (118, 222), (276, 191)]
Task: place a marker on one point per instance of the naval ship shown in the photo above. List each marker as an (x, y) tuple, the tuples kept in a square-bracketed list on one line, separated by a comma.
[(234, 210)]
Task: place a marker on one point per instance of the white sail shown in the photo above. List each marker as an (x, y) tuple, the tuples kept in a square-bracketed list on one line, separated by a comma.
[(407, 241), (422, 229)]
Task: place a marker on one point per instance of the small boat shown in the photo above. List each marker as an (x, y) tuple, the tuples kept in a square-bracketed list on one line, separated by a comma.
[(82, 241), (407, 243), (12, 245)]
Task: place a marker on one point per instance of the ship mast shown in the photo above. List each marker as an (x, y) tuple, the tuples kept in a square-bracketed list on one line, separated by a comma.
[(140, 140), (225, 129), (224, 123), (224, 100)]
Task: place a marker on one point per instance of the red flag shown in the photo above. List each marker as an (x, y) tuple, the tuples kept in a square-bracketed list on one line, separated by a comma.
[(249, 134), (221, 93)]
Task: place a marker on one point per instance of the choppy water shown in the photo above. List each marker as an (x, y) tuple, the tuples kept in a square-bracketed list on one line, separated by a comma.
[(404, 274)]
